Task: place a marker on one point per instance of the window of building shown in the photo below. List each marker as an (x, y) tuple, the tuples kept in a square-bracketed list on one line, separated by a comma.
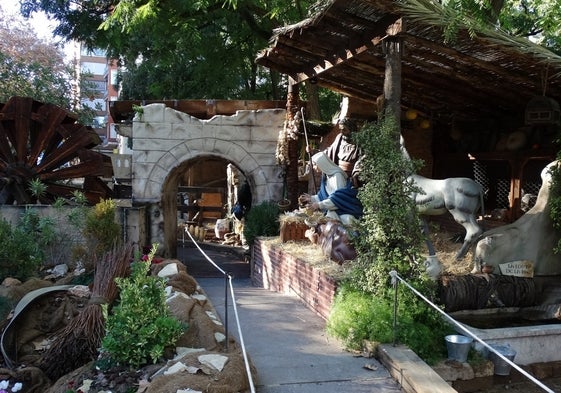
[(96, 86), (97, 52), (93, 68), (97, 104)]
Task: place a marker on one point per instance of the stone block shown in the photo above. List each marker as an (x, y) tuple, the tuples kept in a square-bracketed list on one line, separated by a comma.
[(152, 113), (451, 370), (483, 369)]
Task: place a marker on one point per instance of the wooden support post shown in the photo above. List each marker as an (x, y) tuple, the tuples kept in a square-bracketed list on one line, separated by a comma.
[(392, 79), (292, 107)]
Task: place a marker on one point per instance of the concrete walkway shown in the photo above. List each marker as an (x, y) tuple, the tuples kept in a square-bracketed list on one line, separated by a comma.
[(288, 345)]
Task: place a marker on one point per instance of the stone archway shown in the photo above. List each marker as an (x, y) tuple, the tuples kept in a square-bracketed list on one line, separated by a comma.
[(164, 139), (169, 205)]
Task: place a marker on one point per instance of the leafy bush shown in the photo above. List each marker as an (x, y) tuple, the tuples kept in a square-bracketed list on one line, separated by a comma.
[(100, 228), (390, 238), (140, 326), (357, 316), (390, 230), (20, 255), (555, 201), (262, 220)]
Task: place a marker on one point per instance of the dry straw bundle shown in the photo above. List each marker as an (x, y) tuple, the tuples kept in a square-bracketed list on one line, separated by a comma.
[(79, 341)]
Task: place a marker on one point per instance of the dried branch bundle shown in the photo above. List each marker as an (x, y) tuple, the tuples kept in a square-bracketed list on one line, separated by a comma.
[(79, 341)]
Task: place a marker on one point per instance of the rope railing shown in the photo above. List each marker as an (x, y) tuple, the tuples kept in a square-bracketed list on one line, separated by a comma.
[(228, 284), (395, 277)]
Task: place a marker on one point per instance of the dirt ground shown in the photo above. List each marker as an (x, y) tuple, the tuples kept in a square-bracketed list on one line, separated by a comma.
[(37, 325)]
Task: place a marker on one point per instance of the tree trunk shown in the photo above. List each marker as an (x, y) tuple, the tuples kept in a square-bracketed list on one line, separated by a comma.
[(392, 80), (292, 107), (312, 104)]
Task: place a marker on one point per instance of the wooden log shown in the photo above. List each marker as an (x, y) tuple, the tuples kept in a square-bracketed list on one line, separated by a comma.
[(477, 291)]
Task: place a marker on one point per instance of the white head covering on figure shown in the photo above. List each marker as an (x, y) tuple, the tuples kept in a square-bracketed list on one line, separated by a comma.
[(326, 165)]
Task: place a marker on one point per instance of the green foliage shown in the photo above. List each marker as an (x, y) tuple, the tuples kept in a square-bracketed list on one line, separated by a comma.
[(555, 202), (189, 49), (140, 327), (51, 235), (100, 228), (20, 255), (390, 238), (538, 19), (262, 220), (357, 316), (37, 188), (31, 67), (79, 198), (59, 202)]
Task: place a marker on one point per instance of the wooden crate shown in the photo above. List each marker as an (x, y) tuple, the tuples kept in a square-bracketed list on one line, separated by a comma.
[(210, 199), (292, 230)]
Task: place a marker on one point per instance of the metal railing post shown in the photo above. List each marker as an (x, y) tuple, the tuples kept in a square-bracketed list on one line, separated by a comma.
[(227, 277), (393, 275)]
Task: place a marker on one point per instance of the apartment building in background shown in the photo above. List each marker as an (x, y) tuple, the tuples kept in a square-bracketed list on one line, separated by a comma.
[(100, 77)]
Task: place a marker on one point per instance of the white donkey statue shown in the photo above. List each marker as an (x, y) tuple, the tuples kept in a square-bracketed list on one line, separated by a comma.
[(461, 196)]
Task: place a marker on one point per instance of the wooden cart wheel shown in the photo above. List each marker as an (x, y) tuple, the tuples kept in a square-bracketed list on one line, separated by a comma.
[(45, 142)]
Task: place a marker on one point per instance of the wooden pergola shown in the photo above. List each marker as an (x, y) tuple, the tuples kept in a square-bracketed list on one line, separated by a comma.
[(342, 48), (368, 49)]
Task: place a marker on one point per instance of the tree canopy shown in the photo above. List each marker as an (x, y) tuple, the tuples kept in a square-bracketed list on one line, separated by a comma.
[(179, 49), (206, 48), (30, 66), (538, 20)]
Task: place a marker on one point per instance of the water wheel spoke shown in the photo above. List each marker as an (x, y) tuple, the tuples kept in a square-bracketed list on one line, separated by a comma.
[(96, 187), (5, 151), (52, 116), (14, 192), (105, 163), (22, 122), (93, 168), (44, 141), (66, 151)]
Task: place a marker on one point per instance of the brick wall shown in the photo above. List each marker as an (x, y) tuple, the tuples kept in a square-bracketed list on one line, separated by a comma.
[(279, 271)]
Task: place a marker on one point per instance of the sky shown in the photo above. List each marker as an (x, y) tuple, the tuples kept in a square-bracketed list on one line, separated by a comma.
[(40, 22)]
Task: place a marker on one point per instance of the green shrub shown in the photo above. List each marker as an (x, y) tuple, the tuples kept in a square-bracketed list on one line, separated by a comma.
[(100, 228), (21, 255), (140, 327), (390, 238), (357, 316), (262, 220), (555, 202)]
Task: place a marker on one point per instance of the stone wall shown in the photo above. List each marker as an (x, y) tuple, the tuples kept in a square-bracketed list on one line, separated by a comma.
[(163, 138), (131, 219), (276, 270)]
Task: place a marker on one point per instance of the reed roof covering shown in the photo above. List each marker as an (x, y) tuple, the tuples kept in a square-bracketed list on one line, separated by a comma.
[(341, 48)]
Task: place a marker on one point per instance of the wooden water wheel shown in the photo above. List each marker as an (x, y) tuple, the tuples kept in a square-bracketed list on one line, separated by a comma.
[(45, 142)]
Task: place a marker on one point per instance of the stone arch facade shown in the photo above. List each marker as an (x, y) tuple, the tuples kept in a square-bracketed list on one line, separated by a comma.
[(163, 139)]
